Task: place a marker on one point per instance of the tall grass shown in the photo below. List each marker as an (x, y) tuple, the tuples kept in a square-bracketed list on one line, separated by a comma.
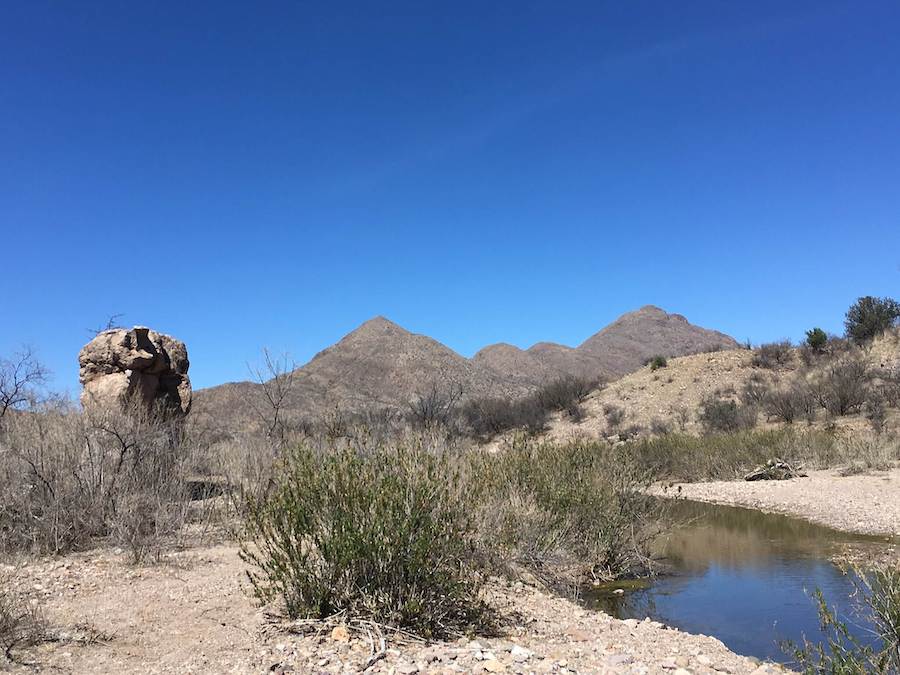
[(565, 513)]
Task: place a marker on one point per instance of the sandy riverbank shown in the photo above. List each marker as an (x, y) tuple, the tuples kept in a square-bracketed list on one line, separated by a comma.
[(193, 615), (866, 503)]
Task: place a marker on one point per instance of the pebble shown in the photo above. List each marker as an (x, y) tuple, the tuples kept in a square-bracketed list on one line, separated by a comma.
[(520, 654)]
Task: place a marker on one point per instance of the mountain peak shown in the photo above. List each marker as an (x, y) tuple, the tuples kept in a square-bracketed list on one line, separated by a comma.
[(635, 336), (379, 325)]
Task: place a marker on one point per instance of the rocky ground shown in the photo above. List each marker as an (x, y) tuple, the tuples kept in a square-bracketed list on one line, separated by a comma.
[(192, 614), (867, 503)]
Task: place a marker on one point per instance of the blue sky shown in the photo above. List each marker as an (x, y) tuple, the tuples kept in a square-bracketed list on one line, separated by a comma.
[(244, 175)]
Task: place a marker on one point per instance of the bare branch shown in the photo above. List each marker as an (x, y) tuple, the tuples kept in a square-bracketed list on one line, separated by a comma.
[(20, 377)]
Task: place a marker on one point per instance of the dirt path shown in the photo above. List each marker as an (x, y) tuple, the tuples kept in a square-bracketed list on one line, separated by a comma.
[(867, 504), (193, 615)]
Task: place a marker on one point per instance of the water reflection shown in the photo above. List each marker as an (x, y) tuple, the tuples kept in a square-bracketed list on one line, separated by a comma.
[(743, 576)]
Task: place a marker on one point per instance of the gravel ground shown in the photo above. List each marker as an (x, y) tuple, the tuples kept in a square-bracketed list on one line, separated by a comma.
[(866, 503), (193, 615)]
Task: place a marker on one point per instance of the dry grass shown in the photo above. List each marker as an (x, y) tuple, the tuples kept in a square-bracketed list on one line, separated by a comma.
[(22, 622)]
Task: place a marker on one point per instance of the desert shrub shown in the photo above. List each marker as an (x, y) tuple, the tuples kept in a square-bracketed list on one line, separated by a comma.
[(563, 392), (658, 362), (816, 340), (787, 403), (614, 416), (487, 417), (565, 513), (22, 622), (876, 412), (773, 355), (529, 414), (886, 381), (630, 432), (435, 405), (660, 427), (842, 387), (682, 416), (380, 533), (869, 317), (755, 390), (878, 597), (718, 415), (67, 479)]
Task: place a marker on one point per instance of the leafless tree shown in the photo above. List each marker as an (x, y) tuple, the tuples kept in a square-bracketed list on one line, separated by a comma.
[(20, 377), (276, 377), (435, 405), (111, 324)]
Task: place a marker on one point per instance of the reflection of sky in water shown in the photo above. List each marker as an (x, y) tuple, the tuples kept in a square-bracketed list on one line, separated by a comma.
[(746, 578)]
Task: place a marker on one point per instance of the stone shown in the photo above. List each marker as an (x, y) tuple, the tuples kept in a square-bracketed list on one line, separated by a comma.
[(520, 654), (493, 666), (138, 367), (340, 634)]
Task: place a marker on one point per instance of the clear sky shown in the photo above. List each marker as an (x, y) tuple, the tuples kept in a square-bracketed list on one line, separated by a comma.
[(272, 174)]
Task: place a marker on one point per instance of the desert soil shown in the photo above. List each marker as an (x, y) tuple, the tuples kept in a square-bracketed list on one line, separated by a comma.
[(866, 503), (193, 614)]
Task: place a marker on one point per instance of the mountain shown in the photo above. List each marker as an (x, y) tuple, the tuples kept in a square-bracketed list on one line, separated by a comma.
[(626, 344), (381, 364)]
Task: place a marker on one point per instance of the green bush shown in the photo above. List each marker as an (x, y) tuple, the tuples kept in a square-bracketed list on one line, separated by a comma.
[(658, 362), (381, 533), (816, 340), (878, 594), (869, 317), (566, 513)]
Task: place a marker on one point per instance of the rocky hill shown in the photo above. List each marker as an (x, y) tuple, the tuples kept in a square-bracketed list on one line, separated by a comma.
[(627, 343), (670, 397), (380, 364)]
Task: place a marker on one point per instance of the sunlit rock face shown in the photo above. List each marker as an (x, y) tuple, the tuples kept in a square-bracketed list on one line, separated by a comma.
[(137, 367)]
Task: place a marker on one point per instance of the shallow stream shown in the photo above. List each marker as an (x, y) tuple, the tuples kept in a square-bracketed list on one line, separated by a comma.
[(743, 576)]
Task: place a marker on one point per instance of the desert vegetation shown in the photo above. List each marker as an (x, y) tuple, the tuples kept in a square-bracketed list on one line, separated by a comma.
[(399, 516), (878, 604)]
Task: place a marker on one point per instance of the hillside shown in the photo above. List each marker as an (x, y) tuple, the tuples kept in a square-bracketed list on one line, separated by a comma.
[(673, 394), (382, 365), (627, 343)]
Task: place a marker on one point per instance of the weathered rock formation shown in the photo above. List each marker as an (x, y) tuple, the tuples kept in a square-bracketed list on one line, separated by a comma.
[(139, 367)]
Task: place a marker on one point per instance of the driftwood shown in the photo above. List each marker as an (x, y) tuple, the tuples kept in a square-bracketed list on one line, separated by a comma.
[(776, 469)]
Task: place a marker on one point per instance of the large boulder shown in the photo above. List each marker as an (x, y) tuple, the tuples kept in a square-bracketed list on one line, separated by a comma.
[(137, 367)]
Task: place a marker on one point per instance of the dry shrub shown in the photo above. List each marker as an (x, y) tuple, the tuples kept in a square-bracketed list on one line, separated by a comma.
[(660, 427), (490, 416), (773, 355), (69, 479), (565, 513), (755, 390), (614, 416), (842, 386), (22, 622), (721, 415), (787, 403)]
